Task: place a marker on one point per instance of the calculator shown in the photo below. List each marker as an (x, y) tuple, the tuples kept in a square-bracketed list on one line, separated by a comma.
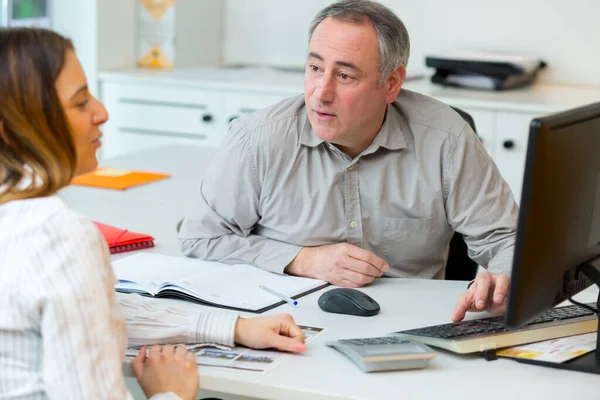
[(386, 353)]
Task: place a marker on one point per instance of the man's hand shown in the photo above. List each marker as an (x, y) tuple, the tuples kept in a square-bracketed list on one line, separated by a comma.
[(487, 293), (341, 264), (277, 331)]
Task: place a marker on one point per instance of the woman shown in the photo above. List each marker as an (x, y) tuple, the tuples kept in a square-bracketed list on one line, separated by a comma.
[(62, 332)]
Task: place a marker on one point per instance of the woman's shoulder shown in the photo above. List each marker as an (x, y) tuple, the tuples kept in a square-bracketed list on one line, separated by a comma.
[(46, 234), (45, 216)]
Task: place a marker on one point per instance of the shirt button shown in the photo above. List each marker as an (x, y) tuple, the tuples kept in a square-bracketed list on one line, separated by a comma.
[(350, 168), (353, 224)]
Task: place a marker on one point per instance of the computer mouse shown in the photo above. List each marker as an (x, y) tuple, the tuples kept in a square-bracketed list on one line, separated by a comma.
[(348, 301)]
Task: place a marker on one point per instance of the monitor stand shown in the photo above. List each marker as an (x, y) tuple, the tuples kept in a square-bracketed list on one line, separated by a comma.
[(589, 362)]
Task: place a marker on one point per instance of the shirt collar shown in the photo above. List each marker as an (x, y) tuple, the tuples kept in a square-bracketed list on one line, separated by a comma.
[(390, 135), (307, 135)]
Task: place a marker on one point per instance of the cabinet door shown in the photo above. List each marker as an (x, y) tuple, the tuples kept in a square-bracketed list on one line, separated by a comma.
[(240, 103), (512, 133), (484, 125), (155, 113)]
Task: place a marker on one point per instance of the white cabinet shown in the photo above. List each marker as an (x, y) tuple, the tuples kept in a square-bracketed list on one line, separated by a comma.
[(147, 116), (511, 136), (144, 115)]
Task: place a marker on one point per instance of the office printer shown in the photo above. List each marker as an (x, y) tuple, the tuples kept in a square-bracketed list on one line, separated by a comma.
[(490, 71)]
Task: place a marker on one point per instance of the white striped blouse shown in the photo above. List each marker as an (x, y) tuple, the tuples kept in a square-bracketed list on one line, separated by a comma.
[(62, 330)]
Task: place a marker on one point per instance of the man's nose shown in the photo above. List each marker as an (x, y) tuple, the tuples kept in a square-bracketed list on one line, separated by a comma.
[(324, 91)]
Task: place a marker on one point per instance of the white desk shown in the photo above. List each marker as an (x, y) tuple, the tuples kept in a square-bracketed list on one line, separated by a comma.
[(186, 164), (321, 372)]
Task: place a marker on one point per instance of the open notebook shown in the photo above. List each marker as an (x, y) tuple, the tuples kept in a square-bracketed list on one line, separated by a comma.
[(210, 283)]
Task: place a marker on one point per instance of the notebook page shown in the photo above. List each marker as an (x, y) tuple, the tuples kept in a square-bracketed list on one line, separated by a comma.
[(147, 271), (223, 284)]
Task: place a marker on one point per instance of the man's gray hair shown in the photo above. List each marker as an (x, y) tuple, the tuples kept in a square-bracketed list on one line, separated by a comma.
[(394, 44)]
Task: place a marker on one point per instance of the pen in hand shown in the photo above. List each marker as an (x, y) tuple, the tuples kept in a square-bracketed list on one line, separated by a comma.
[(283, 297)]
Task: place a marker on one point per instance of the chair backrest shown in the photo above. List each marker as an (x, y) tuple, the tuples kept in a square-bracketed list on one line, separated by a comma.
[(459, 266), (467, 117)]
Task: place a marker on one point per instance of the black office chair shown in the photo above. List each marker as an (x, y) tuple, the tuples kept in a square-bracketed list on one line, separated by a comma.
[(459, 266)]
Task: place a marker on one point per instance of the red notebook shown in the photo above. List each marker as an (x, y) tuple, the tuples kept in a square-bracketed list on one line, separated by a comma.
[(120, 240)]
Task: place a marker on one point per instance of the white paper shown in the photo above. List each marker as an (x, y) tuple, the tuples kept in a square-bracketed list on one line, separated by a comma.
[(239, 357)]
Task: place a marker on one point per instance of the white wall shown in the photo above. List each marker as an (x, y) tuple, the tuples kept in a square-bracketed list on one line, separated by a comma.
[(77, 20), (268, 31), (102, 31), (564, 33), (116, 29)]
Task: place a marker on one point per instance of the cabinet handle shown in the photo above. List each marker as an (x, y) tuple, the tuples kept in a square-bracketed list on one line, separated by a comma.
[(156, 132), (207, 118), (508, 144), (232, 118), (142, 102), (246, 110)]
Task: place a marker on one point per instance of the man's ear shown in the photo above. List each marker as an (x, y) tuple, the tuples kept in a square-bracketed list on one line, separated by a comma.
[(394, 83)]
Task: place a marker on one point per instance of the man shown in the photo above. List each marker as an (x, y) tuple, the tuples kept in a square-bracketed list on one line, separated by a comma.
[(356, 179)]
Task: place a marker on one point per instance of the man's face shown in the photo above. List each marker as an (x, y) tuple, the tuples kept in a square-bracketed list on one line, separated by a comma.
[(344, 101)]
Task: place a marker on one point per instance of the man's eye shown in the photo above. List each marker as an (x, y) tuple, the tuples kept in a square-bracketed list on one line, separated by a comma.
[(345, 77)]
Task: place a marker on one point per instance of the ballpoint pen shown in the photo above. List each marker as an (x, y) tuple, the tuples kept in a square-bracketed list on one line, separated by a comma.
[(283, 297)]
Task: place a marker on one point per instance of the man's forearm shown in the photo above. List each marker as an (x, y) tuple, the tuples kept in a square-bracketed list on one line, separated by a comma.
[(502, 261), (265, 253), (299, 266)]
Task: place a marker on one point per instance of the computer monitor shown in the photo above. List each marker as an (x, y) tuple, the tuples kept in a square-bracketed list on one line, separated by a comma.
[(25, 13), (558, 234)]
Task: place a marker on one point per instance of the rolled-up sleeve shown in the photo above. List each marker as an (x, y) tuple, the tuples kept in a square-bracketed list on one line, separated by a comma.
[(479, 203), (151, 321), (221, 226)]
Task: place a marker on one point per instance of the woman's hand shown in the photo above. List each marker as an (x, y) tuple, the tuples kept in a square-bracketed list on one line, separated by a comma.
[(277, 331), (167, 369)]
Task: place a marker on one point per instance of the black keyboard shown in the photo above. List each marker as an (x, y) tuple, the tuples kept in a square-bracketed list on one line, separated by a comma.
[(480, 334), (495, 324)]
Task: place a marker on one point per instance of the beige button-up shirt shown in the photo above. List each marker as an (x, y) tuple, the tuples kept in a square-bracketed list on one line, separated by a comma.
[(275, 187)]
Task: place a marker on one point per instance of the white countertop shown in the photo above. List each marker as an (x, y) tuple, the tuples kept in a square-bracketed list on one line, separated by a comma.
[(538, 98)]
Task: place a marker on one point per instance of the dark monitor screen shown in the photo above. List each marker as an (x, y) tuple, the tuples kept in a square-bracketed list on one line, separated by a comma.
[(559, 220)]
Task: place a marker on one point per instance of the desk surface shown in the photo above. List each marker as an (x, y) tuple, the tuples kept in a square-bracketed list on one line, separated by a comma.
[(186, 164), (321, 372)]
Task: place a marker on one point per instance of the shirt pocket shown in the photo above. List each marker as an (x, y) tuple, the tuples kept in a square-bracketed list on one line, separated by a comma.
[(408, 243)]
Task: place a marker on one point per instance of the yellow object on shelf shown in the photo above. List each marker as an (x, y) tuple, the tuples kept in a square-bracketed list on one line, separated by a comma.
[(156, 33)]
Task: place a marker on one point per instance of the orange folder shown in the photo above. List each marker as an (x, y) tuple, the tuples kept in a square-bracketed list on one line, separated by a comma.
[(120, 240), (117, 179)]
